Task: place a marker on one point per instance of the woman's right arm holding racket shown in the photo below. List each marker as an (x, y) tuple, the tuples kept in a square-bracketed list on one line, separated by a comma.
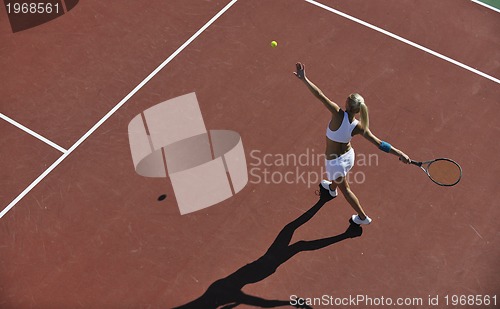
[(385, 146)]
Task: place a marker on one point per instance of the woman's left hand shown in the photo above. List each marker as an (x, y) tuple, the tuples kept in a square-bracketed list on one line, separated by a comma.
[(301, 71)]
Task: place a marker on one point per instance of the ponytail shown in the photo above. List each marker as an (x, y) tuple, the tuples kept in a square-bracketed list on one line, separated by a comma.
[(365, 120), (357, 100)]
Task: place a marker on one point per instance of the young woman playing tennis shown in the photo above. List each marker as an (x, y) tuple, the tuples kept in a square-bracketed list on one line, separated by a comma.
[(339, 153)]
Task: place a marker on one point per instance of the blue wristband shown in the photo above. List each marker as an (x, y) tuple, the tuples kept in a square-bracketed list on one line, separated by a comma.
[(385, 146)]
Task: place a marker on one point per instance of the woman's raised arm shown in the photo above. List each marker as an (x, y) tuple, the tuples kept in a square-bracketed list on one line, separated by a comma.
[(301, 74)]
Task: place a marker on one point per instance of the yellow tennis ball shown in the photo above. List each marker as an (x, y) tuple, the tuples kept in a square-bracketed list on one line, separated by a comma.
[(274, 44)]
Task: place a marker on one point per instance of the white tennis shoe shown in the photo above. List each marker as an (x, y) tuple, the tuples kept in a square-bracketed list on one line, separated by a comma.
[(356, 219), (326, 185)]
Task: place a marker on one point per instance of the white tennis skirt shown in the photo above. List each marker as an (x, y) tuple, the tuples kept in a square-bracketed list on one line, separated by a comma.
[(340, 166)]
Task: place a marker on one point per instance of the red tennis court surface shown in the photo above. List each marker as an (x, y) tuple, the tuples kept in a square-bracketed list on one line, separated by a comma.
[(90, 232)]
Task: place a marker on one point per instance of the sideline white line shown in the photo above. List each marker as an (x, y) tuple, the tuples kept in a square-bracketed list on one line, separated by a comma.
[(32, 133), (397, 37), (112, 111), (486, 5)]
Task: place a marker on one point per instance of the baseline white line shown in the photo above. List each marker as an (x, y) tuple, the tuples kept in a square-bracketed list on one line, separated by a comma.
[(112, 111), (397, 37), (486, 5), (32, 133)]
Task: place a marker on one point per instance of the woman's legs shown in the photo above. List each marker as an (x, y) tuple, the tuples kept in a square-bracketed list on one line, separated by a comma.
[(351, 198)]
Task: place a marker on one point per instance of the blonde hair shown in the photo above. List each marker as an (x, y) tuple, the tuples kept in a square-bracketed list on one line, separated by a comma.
[(357, 101)]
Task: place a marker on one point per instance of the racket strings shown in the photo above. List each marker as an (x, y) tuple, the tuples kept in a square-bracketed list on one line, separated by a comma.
[(444, 172)]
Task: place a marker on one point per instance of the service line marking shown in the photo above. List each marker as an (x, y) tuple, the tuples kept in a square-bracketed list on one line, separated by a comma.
[(32, 133)]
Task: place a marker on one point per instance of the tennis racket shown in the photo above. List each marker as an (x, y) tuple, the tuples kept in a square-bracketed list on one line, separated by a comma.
[(442, 171)]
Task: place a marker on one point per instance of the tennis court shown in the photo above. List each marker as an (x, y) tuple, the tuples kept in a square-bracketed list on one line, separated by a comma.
[(80, 228)]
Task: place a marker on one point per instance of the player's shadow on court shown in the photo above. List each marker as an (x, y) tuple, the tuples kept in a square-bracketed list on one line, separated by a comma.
[(227, 292)]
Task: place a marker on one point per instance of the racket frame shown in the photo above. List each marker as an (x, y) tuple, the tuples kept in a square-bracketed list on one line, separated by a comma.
[(421, 164)]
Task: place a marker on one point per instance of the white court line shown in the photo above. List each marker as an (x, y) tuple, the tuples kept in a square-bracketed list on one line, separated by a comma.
[(397, 37), (486, 5), (32, 133), (112, 111)]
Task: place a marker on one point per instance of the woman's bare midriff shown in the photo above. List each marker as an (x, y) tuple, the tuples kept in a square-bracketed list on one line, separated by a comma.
[(335, 149)]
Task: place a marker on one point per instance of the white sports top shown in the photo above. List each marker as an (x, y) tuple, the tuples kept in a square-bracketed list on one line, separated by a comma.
[(342, 134)]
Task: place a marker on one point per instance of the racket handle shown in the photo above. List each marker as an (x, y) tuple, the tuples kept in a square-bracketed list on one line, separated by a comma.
[(416, 163)]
